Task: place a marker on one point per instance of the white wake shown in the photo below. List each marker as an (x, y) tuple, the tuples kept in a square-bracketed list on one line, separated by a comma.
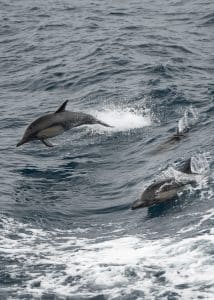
[(122, 119)]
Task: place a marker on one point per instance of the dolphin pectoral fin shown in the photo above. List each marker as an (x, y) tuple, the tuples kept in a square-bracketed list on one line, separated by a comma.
[(62, 107), (47, 143)]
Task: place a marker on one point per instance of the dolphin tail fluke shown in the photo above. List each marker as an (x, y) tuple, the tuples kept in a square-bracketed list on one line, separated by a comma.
[(104, 124), (47, 143)]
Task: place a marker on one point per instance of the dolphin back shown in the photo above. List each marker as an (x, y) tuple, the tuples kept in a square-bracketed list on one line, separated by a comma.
[(159, 192)]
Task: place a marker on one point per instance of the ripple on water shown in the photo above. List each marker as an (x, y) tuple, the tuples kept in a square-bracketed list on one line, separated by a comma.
[(84, 267), (66, 228)]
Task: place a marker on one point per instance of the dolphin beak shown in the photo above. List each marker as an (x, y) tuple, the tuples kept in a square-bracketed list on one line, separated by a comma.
[(21, 142), (138, 204), (135, 204)]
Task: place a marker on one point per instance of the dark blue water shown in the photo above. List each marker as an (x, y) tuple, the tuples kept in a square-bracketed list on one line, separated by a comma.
[(66, 228)]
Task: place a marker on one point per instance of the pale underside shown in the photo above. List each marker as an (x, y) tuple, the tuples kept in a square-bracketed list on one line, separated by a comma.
[(167, 195), (50, 132)]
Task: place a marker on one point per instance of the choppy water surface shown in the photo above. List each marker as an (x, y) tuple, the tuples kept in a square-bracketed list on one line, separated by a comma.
[(66, 228)]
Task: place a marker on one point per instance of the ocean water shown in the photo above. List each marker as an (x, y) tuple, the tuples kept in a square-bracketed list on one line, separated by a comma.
[(66, 227)]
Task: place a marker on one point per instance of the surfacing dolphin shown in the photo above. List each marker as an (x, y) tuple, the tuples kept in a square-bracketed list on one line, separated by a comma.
[(56, 123), (171, 141), (164, 190), (183, 127)]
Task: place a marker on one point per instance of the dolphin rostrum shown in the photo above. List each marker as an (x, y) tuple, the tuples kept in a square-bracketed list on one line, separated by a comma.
[(56, 123), (164, 190)]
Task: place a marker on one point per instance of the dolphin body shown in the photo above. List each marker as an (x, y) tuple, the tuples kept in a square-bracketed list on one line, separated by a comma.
[(56, 123), (163, 190), (177, 137), (171, 141)]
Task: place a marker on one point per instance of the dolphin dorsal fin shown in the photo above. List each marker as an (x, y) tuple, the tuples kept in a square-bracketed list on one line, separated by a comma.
[(186, 168), (62, 107)]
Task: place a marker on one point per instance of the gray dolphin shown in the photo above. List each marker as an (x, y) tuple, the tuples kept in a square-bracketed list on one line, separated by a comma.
[(164, 190), (56, 123), (176, 137), (172, 140)]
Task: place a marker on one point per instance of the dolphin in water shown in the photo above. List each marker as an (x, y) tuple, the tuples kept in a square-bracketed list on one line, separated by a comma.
[(183, 127), (178, 136), (164, 190), (56, 123), (172, 140)]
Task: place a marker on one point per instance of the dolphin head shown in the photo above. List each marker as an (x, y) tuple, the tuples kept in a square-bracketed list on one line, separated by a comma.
[(138, 203), (23, 141), (27, 137)]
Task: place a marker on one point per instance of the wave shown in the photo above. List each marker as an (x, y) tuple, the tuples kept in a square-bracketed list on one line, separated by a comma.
[(57, 263)]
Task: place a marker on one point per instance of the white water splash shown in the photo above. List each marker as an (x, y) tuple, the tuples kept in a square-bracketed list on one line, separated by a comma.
[(189, 119), (182, 177), (199, 166), (60, 263), (200, 163), (122, 119), (209, 216)]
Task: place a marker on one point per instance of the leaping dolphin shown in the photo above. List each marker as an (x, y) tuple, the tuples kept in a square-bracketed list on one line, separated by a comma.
[(56, 123), (164, 190)]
